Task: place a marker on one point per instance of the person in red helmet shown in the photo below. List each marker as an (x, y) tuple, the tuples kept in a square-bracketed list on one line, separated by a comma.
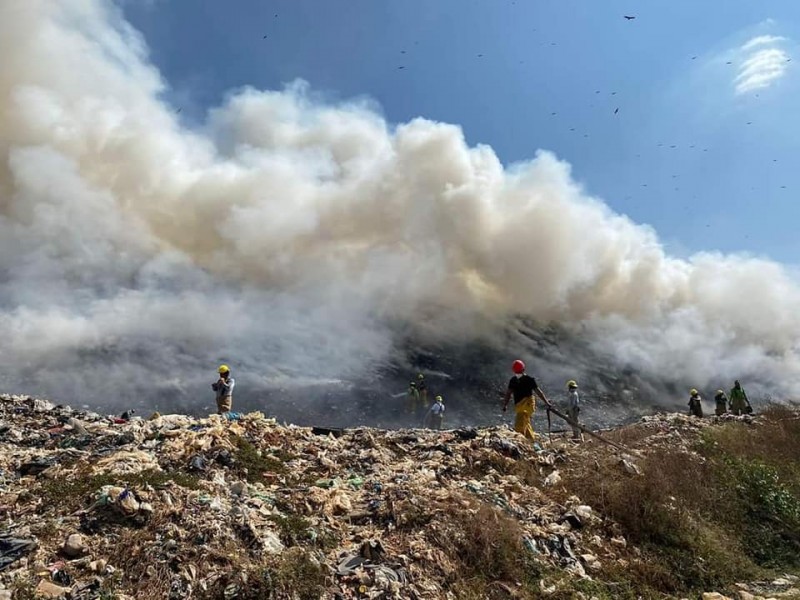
[(522, 386)]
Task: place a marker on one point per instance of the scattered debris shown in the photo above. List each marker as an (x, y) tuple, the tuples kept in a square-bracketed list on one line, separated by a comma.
[(177, 507)]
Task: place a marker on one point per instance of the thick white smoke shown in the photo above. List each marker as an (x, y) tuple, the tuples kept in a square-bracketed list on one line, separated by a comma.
[(286, 234)]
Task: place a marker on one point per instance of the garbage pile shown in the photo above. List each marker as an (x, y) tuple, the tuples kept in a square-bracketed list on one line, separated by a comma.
[(237, 506)]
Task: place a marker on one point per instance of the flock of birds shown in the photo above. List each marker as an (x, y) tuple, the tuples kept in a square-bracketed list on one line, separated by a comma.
[(615, 112)]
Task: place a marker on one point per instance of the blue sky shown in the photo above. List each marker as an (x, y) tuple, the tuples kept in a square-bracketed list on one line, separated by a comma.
[(703, 150)]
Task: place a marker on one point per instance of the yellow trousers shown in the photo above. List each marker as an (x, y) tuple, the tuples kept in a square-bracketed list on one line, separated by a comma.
[(524, 410)]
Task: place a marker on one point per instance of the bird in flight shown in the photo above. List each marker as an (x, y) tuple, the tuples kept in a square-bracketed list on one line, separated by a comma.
[(616, 111), (400, 68), (628, 18)]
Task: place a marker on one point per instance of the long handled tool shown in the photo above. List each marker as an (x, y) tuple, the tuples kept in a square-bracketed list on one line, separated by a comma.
[(588, 431)]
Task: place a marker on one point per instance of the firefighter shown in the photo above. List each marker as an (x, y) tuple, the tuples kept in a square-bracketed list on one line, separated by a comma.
[(224, 389), (523, 387), (695, 404)]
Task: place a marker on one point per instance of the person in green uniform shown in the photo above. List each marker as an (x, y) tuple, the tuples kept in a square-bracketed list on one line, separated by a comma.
[(740, 404), (412, 396)]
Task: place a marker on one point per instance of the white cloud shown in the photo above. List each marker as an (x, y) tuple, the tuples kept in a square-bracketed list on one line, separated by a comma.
[(764, 63), (763, 40)]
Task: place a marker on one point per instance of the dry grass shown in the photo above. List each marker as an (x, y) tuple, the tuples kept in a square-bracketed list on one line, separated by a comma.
[(488, 547), (293, 575), (75, 491), (722, 513), (630, 435), (251, 463)]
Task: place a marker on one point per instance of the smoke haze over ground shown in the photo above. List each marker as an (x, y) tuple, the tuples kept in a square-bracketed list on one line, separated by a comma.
[(314, 245)]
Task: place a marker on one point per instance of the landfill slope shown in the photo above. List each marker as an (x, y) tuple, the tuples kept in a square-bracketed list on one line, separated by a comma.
[(172, 506)]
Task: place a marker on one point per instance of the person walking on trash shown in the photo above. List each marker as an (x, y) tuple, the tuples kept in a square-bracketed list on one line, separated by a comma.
[(740, 404), (573, 410), (435, 416), (224, 389), (721, 401), (695, 406), (422, 388), (522, 387), (412, 397)]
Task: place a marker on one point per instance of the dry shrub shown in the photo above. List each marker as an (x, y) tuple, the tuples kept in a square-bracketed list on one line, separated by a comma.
[(757, 472), (671, 511), (671, 487), (293, 575), (132, 555), (487, 545), (711, 517), (774, 441), (630, 435)]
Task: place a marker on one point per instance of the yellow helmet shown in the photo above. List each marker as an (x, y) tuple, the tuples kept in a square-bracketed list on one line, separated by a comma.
[(720, 392), (420, 376), (571, 384), (693, 392), (224, 369), (439, 399)]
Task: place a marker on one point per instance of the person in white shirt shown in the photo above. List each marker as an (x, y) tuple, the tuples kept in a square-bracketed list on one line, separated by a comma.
[(574, 409), (224, 389), (435, 416)]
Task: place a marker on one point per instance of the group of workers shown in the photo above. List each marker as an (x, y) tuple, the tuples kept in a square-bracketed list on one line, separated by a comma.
[(736, 404), (523, 388), (417, 400)]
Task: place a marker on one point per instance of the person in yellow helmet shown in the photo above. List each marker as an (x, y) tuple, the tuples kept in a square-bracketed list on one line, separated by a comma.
[(224, 389), (721, 403), (574, 409), (695, 405), (412, 397), (422, 388)]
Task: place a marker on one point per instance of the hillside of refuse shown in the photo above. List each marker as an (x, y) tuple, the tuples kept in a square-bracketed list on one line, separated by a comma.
[(170, 506)]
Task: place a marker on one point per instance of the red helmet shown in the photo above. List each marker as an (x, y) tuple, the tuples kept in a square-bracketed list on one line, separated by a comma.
[(518, 366)]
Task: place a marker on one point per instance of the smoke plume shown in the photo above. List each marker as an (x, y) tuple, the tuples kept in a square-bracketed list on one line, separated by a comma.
[(300, 241)]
